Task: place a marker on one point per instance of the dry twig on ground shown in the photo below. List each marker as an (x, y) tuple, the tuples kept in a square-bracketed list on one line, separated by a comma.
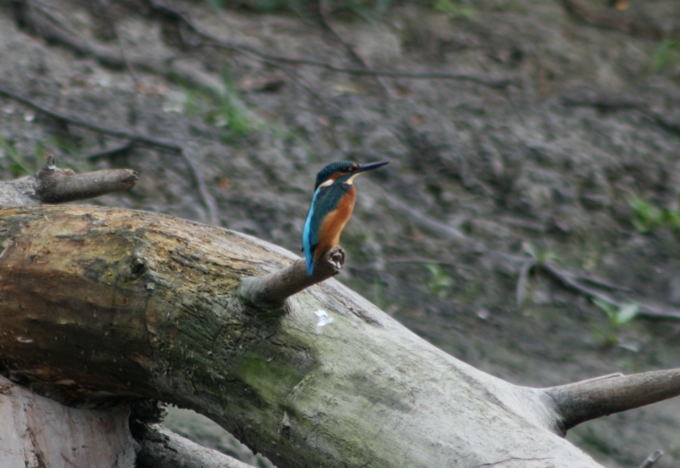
[(68, 118)]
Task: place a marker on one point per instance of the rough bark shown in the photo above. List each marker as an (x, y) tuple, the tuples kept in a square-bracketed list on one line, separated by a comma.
[(43, 432), (151, 305)]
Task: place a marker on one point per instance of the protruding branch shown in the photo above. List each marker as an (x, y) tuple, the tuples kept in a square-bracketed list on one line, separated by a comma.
[(57, 185), (270, 291), (54, 185), (589, 399)]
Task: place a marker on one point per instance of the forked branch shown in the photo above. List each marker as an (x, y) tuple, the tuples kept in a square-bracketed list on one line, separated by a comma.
[(125, 133)]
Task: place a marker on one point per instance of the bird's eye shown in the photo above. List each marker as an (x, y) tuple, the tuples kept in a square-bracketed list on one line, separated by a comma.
[(353, 167)]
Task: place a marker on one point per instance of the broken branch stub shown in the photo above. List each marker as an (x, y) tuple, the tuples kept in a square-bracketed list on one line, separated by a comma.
[(270, 291), (57, 185)]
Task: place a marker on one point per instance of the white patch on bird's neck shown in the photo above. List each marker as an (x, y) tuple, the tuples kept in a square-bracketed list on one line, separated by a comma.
[(330, 181), (350, 181)]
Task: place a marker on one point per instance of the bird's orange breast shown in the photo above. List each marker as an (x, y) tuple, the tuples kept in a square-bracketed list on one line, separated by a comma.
[(334, 222)]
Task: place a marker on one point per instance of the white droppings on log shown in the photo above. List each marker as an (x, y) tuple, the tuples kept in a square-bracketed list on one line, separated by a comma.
[(324, 319)]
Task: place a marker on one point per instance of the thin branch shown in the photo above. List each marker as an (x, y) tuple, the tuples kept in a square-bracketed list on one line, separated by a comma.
[(430, 223), (570, 281), (589, 399), (616, 103), (204, 193), (522, 281), (175, 14), (600, 282), (325, 22), (494, 83), (270, 291), (109, 151), (57, 32), (90, 125), (164, 65), (132, 138), (602, 101), (651, 460), (38, 18), (612, 20), (585, 285), (423, 261)]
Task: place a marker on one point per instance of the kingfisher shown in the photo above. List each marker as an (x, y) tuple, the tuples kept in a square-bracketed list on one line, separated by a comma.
[(331, 207)]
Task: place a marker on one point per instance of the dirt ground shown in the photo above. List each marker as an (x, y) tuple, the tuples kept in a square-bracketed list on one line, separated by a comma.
[(523, 131)]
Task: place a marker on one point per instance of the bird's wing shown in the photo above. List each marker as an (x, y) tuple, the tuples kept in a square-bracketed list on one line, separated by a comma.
[(324, 201), (309, 233)]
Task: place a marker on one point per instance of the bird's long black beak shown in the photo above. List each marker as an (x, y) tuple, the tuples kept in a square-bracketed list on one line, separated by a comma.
[(369, 166)]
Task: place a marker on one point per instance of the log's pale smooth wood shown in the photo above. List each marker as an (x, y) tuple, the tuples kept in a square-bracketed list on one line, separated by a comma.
[(39, 432), (164, 448), (592, 398)]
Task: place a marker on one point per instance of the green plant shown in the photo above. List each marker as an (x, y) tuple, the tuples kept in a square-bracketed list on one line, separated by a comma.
[(666, 56), (230, 113), (454, 8), (537, 257), (540, 255), (18, 163), (648, 216), (233, 116), (617, 315), (440, 281)]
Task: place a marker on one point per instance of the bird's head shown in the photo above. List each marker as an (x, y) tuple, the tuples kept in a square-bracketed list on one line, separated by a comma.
[(343, 172)]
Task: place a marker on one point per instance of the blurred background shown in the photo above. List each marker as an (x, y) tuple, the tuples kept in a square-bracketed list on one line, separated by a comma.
[(529, 220)]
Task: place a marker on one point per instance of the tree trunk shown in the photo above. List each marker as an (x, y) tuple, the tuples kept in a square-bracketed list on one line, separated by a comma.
[(100, 305)]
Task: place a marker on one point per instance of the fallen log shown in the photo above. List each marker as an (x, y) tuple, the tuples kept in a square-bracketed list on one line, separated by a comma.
[(102, 305), (42, 432)]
